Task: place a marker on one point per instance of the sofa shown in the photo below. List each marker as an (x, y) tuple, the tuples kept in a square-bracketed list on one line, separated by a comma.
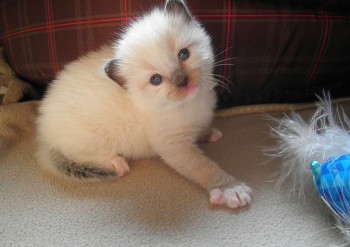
[(284, 52)]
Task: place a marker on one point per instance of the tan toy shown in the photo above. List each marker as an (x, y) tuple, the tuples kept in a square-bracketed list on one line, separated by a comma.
[(12, 89)]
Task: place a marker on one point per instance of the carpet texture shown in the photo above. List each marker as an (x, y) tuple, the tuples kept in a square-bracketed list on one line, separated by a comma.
[(153, 206)]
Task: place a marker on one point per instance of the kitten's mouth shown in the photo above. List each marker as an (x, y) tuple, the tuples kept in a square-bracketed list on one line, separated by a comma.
[(191, 90)]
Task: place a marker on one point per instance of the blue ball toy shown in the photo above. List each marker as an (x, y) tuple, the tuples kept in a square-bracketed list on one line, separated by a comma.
[(332, 180)]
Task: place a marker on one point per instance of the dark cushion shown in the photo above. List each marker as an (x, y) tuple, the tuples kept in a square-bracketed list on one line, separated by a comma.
[(282, 51), (339, 5)]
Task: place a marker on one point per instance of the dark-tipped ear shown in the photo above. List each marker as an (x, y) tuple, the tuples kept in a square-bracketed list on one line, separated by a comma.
[(111, 69), (179, 7)]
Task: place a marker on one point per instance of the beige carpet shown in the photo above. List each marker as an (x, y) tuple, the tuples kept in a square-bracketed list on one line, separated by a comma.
[(152, 206)]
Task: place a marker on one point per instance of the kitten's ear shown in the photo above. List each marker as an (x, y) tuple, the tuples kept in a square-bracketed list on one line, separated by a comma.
[(179, 7), (111, 70)]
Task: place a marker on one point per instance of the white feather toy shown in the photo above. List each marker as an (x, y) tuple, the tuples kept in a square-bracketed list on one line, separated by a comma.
[(315, 158)]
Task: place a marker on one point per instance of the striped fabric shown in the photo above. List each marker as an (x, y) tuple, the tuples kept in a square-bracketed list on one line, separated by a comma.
[(282, 50)]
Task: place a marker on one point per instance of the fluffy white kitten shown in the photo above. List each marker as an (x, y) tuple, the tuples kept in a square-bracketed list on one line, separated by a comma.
[(150, 94)]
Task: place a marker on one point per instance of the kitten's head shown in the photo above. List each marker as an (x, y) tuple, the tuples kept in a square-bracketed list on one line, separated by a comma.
[(164, 57)]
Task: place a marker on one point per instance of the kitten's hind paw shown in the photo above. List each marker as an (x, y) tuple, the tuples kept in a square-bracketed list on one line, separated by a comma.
[(213, 135), (234, 197), (118, 164)]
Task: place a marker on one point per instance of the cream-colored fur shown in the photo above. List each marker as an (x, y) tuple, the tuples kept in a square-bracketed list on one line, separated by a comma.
[(91, 119)]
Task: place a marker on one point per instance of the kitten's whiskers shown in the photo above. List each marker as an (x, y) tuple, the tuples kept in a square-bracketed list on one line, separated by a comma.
[(223, 64), (218, 54), (223, 79), (216, 82), (223, 60)]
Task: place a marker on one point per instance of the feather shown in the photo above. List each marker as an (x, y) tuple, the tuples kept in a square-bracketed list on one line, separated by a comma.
[(300, 142), (325, 136)]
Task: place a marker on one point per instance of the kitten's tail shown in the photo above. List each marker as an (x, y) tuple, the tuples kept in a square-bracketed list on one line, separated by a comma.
[(58, 164)]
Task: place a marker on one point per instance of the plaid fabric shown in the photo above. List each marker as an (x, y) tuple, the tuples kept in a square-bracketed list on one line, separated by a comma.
[(283, 51), (325, 4)]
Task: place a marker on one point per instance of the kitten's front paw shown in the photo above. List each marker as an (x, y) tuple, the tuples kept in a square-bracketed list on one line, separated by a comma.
[(233, 196)]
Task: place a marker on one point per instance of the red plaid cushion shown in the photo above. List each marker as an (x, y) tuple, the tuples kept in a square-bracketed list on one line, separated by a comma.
[(282, 50)]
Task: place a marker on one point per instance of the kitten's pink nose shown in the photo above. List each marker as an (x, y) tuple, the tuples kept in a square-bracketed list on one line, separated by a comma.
[(180, 78)]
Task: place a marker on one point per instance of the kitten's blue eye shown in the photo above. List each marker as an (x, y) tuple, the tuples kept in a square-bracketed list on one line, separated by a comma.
[(183, 54), (156, 79)]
